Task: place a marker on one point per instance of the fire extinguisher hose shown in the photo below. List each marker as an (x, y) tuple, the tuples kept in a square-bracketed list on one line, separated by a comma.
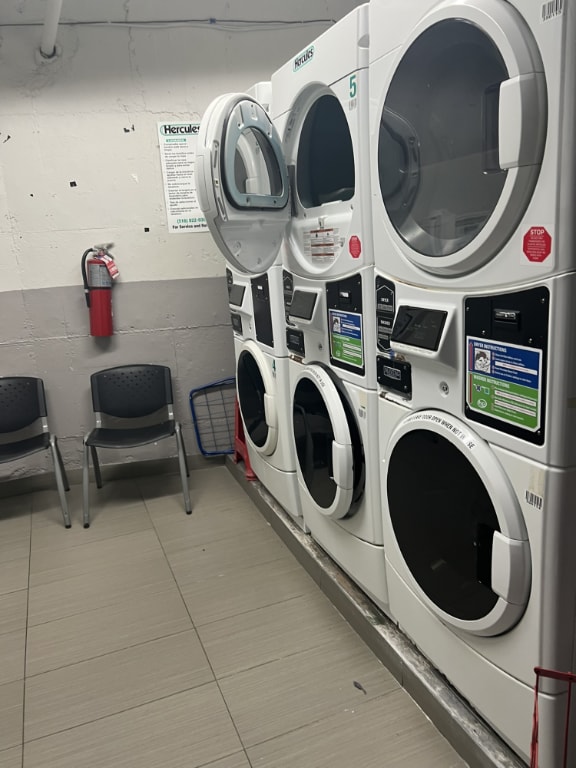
[(85, 276)]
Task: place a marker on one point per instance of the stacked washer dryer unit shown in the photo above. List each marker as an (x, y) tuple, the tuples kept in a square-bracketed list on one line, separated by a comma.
[(320, 108), (473, 108), (243, 189)]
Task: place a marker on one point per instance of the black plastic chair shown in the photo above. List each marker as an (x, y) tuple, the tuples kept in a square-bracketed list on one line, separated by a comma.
[(131, 392), (24, 428)]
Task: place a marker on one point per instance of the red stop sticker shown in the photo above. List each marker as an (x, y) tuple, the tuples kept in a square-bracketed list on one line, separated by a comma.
[(355, 246), (537, 244)]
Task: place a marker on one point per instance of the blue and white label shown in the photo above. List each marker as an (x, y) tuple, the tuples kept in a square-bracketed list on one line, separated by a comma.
[(346, 341), (504, 381)]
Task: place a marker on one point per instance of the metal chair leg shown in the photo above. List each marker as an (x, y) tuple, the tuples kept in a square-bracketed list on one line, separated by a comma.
[(60, 483), (184, 452), (96, 463), (86, 487), (62, 467), (183, 467)]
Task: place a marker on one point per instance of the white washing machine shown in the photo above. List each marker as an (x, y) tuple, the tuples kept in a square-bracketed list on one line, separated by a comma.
[(473, 104), (336, 440), (477, 518), (320, 108), (262, 382)]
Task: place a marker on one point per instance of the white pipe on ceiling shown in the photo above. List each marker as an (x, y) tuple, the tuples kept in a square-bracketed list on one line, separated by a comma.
[(51, 21)]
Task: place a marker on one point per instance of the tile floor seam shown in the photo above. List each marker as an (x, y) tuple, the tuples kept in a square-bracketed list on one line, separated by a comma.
[(219, 759), (284, 657), (206, 655), (251, 610), (25, 660), (90, 610), (262, 562), (108, 653), (9, 631), (92, 541), (119, 712), (319, 720)]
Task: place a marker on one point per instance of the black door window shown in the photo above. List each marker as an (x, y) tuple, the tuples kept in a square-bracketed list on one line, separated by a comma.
[(251, 391), (444, 522), (314, 436), (325, 164)]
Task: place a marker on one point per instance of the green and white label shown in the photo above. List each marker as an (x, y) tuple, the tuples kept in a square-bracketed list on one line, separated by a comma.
[(504, 381), (346, 342)]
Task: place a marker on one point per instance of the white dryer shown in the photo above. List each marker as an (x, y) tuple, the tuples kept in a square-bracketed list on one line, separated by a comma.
[(473, 104), (477, 518), (336, 441), (320, 108), (239, 166)]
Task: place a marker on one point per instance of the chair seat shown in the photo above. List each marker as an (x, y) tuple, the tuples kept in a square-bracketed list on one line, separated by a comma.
[(130, 438), (11, 451)]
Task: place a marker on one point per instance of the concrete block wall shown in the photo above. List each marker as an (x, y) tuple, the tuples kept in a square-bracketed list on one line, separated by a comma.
[(80, 165)]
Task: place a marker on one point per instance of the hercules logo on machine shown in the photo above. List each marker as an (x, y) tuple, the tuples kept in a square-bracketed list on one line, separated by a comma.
[(303, 58)]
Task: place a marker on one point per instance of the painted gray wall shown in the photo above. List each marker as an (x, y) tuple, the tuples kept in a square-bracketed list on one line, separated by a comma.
[(180, 323)]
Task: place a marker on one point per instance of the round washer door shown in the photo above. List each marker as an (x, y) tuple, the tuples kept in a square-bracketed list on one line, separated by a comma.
[(324, 449), (457, 524), (257, 399), (462, 135), (242, 182)]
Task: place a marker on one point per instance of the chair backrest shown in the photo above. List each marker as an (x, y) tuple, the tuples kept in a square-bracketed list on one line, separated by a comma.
[(130, 391), (22, 402)]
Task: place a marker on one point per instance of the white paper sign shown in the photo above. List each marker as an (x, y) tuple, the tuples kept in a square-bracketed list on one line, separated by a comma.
[(178, 155)]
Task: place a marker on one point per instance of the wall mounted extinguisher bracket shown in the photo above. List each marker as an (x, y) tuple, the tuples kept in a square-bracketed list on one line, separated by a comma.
[(98, 273)]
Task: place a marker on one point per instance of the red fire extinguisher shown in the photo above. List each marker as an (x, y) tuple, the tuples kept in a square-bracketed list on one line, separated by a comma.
[(98, 273)]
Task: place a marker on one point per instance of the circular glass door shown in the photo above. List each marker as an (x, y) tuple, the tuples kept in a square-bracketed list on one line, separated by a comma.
[(457, 524), (328, 445), (444, 523), (462, 134), (441, 112), (256, 400)]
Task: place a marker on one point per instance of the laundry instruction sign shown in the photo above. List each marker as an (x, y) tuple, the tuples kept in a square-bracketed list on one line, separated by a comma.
[(178, 143), (504, 381), (346, 345)]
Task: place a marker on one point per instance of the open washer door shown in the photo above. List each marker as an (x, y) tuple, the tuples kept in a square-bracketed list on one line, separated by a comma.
[(257, 399), (329, 450), (457, 523), (242, 182)]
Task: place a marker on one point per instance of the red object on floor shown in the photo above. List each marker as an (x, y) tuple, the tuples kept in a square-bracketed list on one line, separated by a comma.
[(240, 449), (570, 679)]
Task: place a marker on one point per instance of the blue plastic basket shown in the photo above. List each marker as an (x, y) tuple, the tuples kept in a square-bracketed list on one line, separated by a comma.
[(212, 408)]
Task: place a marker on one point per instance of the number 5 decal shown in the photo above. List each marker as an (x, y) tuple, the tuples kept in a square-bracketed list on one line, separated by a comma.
[(353, 86)]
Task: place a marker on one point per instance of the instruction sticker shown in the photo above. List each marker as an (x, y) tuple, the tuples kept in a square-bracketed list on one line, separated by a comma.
[(322, 245), (504, 381), (346, 343), (178, 157)]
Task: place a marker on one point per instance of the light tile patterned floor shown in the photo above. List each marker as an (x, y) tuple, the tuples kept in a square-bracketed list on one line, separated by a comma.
[(158, 640)]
